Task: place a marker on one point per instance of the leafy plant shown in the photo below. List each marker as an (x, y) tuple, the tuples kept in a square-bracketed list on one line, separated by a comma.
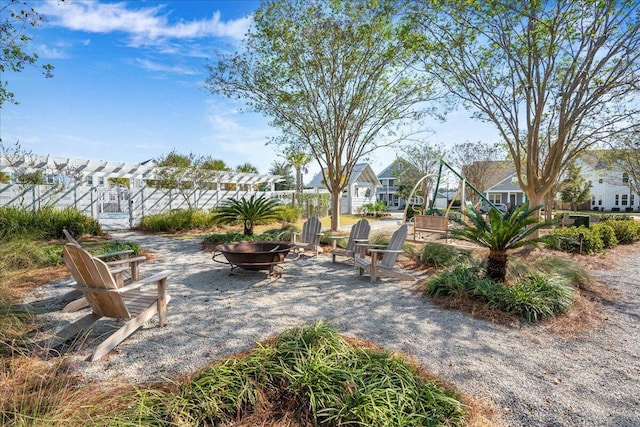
[(627, 232), (607, 234), (500, 234), (534, 297), (575, 239), (248, 212), (440, 255), (314, 370), (178, 220)]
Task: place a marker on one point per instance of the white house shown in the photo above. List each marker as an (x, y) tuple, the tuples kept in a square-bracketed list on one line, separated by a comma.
[(360, 190), (610, 189)]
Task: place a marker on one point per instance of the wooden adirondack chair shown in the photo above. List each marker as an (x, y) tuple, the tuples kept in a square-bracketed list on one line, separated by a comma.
[(385, 267), (359, 234), (309, 237), (116, 267), (107, 299)]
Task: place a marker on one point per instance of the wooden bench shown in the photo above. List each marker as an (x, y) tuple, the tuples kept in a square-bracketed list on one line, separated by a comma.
[(430, 224)]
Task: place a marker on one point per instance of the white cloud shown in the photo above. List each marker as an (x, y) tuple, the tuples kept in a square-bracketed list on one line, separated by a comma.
[(148, 25), (48, 52), (172, 69)]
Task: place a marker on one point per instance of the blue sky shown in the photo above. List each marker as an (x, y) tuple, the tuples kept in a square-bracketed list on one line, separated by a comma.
[(128, 86)]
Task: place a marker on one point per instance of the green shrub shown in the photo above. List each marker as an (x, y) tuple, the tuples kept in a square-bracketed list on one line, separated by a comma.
[(178, 220), (626, 231), (218, 238), (607, 234), (461, 280), (288, 213), (45, 223), (568, 240), (533, 298), (439, 255), (614, 217), (117, 246), (569, 269), (22, 252), (315, 371)]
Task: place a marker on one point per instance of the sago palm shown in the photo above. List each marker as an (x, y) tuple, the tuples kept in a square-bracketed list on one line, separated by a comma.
[(499, 234), (248, 211)]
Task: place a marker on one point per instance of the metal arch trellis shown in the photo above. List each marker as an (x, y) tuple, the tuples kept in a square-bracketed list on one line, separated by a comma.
[(432, 207)]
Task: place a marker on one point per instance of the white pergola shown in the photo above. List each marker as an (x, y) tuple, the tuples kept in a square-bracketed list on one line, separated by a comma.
[(108, 169)]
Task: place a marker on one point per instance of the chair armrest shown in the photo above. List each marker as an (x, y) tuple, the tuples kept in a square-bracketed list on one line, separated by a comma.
[(398, 251), (147, 280), (135, 285), (125, 252), (126, 260)]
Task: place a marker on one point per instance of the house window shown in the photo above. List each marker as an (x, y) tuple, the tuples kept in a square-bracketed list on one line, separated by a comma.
[(599, 180), (101, 180), (625, 178), (617, 202), (89, 180), (633, 197), (49, 179), (495, 198), (625, 199), (599, 202)]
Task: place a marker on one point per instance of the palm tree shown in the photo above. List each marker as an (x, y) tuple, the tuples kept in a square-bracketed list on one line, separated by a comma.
[(501, 233), (248, 211), (299, 161)]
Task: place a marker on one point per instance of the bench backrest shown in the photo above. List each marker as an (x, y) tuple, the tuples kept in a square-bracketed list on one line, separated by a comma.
[(431, 222)]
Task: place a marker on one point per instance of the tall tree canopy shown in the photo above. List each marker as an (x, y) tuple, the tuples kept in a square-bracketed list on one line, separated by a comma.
[(333, 74), (16, 17), (554, 77)]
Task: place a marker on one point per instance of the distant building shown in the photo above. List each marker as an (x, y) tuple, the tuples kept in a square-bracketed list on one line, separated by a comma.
[(360, 190), (610, 189)]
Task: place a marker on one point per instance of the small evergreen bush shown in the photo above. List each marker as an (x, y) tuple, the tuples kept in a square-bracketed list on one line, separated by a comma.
[(607, 234), (288, 213), (45, 223), (626, 231), (533, 298), (178, 220), (313, 371), (218, 238), (439, 255), (568, 240)]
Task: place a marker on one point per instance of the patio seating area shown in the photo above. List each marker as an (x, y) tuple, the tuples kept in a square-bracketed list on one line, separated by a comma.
[(214, 315)]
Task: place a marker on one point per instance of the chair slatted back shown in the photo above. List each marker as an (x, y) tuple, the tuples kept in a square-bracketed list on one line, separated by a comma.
[(310, 231), (360, 230), (94, 273), (395, 244)]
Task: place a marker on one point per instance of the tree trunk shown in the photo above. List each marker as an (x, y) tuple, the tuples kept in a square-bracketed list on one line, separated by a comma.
[(248, 228), (497, 265), (535, 199), (335, 210)]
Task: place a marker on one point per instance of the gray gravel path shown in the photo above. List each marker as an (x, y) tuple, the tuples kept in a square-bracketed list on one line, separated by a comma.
[(531, 377)]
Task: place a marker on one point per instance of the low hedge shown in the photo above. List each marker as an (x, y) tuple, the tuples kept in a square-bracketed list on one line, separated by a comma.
[(568, 240)]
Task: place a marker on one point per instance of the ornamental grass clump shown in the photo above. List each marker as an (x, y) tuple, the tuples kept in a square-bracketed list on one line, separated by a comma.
[(308, 374), (439, 255), (534, 297)]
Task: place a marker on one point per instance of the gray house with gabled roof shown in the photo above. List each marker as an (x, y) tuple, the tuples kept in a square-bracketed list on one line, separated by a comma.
[(360, 191)]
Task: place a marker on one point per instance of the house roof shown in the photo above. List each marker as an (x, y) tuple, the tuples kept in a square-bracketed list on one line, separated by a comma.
[(362, 172), (389, 171)]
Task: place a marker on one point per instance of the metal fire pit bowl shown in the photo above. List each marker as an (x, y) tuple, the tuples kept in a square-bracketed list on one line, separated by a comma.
[(253, 255)]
